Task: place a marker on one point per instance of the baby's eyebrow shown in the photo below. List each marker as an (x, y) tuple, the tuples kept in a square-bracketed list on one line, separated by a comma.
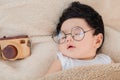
[(65, 32)]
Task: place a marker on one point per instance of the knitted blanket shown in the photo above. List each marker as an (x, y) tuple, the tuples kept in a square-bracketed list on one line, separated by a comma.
[(94, 72)]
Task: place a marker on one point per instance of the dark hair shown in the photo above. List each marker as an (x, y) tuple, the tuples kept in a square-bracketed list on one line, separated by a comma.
[(78, 10)]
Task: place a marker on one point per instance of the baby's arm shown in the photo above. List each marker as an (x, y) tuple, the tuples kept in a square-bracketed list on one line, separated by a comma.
[(55, 67)]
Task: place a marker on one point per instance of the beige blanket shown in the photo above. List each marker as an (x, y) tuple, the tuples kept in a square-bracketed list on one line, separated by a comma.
[(95, 72), (39, 17)]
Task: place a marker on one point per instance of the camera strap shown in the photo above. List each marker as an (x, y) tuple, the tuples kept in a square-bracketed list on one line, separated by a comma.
[(40, 38)]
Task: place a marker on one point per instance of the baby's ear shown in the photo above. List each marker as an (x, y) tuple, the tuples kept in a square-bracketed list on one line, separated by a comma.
[(98, 40)]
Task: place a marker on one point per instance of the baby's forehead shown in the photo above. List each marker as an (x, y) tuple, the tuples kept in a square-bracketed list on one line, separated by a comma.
[(69, 29), (70, 23)]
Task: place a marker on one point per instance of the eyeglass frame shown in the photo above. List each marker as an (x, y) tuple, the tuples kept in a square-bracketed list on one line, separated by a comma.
[(71, 34)]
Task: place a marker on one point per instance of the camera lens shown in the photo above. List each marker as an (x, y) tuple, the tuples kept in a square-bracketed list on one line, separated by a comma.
[(10, 52)]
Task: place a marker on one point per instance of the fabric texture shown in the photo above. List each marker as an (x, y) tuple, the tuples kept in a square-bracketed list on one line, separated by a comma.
[(36, 17), (94, 72)]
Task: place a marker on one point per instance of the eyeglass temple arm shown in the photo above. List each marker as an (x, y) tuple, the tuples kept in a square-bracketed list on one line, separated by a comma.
[(91, 29)]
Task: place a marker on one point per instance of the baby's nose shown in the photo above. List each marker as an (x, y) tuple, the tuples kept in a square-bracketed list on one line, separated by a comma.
[(69, 38)]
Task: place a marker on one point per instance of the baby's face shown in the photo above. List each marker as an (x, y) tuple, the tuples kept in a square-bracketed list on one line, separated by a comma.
[(84, 49)]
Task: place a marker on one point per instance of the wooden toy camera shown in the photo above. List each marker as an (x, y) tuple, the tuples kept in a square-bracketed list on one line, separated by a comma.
[(13, 48)]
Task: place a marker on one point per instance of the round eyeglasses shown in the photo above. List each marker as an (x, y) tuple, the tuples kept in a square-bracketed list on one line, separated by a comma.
[(77, 34)]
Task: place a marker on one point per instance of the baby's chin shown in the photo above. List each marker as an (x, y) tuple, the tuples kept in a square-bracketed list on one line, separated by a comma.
[(74, 55), (77, 55), (70, 54)]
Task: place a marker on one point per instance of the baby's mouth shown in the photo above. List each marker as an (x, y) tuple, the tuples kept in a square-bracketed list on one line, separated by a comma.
[(70, 47)]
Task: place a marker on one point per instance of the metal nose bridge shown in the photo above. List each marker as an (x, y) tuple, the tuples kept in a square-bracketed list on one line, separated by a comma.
[(68, 34)]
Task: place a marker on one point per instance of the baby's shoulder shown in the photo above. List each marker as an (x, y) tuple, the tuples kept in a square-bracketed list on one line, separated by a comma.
[(103, 57)]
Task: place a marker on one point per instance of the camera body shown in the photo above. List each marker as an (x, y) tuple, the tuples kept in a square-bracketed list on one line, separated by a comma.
[(13, 48)]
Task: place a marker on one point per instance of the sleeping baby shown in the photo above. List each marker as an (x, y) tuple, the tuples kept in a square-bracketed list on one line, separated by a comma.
[(79, 35)]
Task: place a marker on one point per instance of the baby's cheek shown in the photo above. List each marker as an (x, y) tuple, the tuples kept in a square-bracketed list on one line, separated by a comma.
[(61, 48)]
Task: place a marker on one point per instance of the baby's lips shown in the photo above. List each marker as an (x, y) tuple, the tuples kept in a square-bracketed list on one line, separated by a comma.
[(70, 46)]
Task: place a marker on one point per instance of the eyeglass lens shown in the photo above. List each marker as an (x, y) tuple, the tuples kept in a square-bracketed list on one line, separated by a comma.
[(77, 34)]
